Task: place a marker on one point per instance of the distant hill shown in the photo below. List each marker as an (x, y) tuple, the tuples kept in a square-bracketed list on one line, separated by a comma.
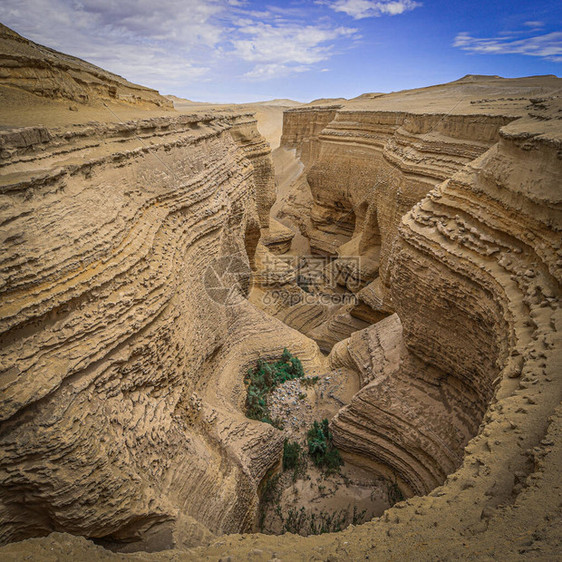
[(48, 73), (182, 103)]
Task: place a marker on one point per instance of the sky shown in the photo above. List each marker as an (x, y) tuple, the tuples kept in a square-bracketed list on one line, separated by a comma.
[(244, 50)]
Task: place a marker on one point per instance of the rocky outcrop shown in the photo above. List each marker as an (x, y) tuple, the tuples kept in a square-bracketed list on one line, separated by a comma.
[(44, 72), (122, 363), (371, 167), (463, 273)]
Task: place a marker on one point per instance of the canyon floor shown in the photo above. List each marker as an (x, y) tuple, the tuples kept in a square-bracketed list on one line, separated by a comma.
[(406, 247)]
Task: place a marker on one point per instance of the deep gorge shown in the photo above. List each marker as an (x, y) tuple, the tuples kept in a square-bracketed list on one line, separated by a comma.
[(123, 417)]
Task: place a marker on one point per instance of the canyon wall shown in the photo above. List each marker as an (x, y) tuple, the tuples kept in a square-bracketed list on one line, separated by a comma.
[(125, 331), (129, 251), (368, 168), (450, 267), (460, 387)]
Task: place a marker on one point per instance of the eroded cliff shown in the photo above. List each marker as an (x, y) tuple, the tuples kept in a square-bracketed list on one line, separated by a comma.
[(454, 331), (121, 390), (129, 252)]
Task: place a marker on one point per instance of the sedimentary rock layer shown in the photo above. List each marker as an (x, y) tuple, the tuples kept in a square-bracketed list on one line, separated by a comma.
[(122, 363), (475, 280), (126, 332), (48, 73), (475, 348), (465, 269)]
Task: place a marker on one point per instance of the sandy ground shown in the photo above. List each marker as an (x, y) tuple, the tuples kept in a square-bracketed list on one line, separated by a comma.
[(22, 109), (320, 502), (268, 114), (309, 500)]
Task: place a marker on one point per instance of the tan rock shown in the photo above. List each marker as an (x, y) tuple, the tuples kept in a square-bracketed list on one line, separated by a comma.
[(122, 367)]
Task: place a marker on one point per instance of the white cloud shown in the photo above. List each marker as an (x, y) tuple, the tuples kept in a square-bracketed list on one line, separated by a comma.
[(267, 71), (547, 46), (171, 43), (150, 43), (292, 42), (280, 49), (360, 9), (534, 23)]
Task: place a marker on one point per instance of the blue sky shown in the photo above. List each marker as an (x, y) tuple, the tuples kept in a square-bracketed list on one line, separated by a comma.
[(244, 50)]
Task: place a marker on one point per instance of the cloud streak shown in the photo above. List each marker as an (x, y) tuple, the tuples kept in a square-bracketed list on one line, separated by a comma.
[(286, 47), (360, 9), (547, 46)]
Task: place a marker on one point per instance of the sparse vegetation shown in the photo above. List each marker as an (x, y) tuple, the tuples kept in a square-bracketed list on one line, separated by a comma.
[(358, 516), (309, 381), (394, 493), (321, 447), (260, 382), (293, 459), (291, 454), (277, 423), (263, 379), (302, 522)]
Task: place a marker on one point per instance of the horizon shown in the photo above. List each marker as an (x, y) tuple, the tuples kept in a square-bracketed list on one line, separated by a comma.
[(237, 51)]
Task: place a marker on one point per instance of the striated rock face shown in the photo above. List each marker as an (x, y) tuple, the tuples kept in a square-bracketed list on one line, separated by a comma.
[(370, 167), (126, 330), (472, 262), (460, 388), (302, 126), (474, 347), (47, 73), (410, 421), (122, 374)]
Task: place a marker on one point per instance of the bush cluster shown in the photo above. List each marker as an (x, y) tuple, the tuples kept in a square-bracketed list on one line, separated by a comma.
[(309, 381), (321, 447), (264, 378), (291, 455)]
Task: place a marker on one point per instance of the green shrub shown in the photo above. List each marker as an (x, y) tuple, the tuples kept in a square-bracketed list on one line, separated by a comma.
[(264, 378), (321, 447), (291, 454), (309, 381), (277, 423)]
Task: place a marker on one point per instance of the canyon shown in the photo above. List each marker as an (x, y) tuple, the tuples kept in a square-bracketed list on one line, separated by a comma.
[(149, 260)]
